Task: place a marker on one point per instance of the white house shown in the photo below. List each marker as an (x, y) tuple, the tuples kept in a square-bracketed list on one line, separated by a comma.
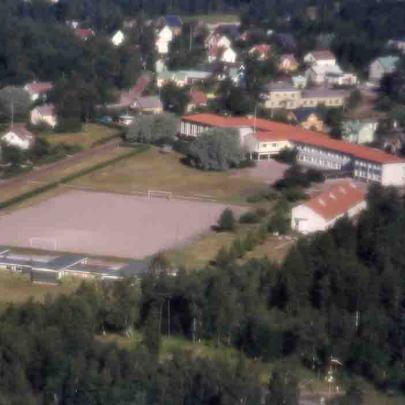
[(382, 66), (320, 58), (321, 212), (19, 137), (38, 90), (163, 40), (228, 56), (118, 38), (44, 114)]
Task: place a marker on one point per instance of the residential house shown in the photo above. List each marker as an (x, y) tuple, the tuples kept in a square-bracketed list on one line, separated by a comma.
[(148, 104), (308, 118), (342, 199), (84, 34), (321, 58), (174, 22), (382, 66), (38, 90), (397, 43), (299, 81), (287, 63), (282, 95), (198, 99), (19, 137), (285, 95), (261, 52), (163, 39), (118, 38), (331, 75), (314, 149), (359, 131), (182, 77), (44, 115)]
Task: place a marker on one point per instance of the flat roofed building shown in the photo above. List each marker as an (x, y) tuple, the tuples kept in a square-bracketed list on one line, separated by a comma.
[(321, 212)]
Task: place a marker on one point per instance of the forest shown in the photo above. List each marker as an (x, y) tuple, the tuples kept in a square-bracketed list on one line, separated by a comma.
[(337, 294)]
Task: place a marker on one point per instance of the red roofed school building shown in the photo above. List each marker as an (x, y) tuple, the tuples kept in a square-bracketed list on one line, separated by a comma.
[(321, 212), (263, 139)]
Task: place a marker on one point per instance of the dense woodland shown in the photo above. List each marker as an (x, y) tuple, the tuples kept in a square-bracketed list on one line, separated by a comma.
[(339, 293)]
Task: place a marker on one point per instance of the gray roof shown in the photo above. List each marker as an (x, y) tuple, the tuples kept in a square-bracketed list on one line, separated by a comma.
[(63, 262), (3, 250), (135, 268), (323, 92), (148, 102)]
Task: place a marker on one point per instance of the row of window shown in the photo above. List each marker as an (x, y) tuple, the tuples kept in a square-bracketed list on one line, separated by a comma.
[(320, 162)]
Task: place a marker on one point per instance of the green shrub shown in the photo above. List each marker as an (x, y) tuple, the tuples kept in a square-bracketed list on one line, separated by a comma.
[(249, 218), (226, 221)]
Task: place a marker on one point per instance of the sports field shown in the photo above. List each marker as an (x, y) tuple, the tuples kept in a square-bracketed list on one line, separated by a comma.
[(108, 224)]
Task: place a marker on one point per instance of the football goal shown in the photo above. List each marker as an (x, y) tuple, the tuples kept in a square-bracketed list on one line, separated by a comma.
[(168, 195), (43, 243)]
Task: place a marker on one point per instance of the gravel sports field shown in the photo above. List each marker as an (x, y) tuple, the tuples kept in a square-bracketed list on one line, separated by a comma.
[(107, 224)]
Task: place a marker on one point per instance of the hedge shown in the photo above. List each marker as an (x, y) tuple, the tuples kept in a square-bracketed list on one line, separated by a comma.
[(69, 178)]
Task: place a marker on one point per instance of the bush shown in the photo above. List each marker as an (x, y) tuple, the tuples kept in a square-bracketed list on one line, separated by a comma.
[(315, 176), (215, 149), (294, 194), (287, 155), (226, 221), (279, 223), (249, 218)]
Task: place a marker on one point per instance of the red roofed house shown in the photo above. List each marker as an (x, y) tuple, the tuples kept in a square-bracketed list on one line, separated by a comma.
[(44, 114), (198, 99), (288, 63), (37, 90), (260, 51), (84, 33), (19, 137), (321, 212), (264, 138)]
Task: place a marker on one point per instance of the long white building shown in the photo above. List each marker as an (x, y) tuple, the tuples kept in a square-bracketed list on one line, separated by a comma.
[(321, 212), (264, 138)]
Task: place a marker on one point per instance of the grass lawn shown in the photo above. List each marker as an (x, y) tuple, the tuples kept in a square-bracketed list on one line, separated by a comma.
[(213, 18), (17, 288), (274, 248), (199, 253), (57, 173), (86, 138), (154, 170)]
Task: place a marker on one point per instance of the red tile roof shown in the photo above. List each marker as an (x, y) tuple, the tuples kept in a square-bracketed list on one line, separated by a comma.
[(84, 33), (262, 49), (296, 135), (198, 97), (336, 200), (39, 87)]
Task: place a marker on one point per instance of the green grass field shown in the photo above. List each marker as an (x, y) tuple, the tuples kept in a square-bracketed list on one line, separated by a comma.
[(153, 170), (90, 134), (17, 288)]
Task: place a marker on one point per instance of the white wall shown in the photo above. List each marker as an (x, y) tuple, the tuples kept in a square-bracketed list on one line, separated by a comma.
[(305, 220), (393, 174)]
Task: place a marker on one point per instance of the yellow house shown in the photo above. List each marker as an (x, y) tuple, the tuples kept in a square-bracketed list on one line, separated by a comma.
[(307, 118)]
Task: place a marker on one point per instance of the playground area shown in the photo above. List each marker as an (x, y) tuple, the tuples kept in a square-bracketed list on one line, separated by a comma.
[(109, 224)]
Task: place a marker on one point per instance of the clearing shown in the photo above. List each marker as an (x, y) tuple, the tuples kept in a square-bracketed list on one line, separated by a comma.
[(90, 135)]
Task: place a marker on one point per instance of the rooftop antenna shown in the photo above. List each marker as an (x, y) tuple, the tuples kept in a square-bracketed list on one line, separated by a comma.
[(12, 114), (254, 120)]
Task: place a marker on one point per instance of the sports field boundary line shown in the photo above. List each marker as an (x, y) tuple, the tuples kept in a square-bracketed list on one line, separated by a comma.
[(139, 193), (66, 179)]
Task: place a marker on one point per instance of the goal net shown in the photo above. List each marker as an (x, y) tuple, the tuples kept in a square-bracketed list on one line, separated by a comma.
[(43, 243), (168, 195)]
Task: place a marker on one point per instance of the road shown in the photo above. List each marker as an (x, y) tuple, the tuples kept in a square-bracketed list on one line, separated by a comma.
[(41, 172)]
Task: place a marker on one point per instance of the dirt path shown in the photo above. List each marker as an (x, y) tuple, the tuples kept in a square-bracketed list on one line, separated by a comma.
[(41, 172)]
